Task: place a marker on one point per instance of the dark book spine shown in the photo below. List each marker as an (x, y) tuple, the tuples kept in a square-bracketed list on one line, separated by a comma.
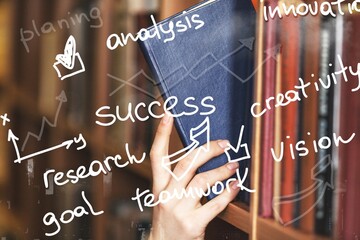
[(160, 83), (309, 121), (323, 212), (302, 111)]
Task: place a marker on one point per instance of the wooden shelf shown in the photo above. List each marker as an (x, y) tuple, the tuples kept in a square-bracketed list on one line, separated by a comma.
[(271, 230), (238, 215)]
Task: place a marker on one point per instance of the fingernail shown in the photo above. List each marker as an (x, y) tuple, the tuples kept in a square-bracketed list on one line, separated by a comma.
[(232, 166), (223, 143), (234, 185), (166, 118)]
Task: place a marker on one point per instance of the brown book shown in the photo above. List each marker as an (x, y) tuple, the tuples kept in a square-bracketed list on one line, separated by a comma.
[(267, 140), (289, 39), (349, 154), (170, 7), (5, 18), (121, 73), (49, 83), (5, 58), (309, 118), (277, 140)]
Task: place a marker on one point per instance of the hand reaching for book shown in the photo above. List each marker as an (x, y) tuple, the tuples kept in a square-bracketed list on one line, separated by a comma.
[(186, 218)]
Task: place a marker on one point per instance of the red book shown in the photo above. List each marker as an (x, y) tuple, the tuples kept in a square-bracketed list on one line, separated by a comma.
[(289, 39), (267, 139), (349, 154)]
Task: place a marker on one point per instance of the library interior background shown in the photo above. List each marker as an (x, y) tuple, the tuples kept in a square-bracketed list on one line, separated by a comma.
[(84, 83)]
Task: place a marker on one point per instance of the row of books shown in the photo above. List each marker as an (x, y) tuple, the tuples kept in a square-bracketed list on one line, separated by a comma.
[(70, 105), (314, 189)]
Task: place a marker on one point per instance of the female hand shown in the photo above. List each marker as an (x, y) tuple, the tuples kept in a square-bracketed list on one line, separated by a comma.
[(187, 218)]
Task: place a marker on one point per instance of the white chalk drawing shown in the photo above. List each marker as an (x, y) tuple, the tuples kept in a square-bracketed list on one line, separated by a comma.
[(319, 185), (237, 148), (203, 128), (62, 99), (5, 119), (69, 60), (128, 82), (244, 44), (67, 144)]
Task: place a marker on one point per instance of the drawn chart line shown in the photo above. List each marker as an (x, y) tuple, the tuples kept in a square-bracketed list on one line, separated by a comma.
[(62, 99), (245, 43)]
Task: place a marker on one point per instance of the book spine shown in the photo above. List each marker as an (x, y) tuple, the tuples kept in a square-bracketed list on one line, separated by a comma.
[(323, 211), (78, 85), (122, 67), (143, 129), (277, 141), (268, 121), (309, 119), (147, 51), (349, 167), (339, 33), (289, 40)]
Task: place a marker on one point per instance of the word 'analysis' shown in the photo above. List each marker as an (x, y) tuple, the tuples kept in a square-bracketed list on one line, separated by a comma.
[(325, 8), (164, 31), (300, 91), (93, 18), (190, 106)]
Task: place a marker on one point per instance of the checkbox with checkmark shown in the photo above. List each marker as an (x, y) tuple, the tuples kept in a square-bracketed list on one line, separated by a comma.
[(69, 63)]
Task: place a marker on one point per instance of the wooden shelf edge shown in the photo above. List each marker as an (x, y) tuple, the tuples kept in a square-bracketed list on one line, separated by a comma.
[(271, 230), (238, 215)]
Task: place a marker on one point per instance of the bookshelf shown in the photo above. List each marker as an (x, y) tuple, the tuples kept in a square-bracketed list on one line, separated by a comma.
[(22, 77)]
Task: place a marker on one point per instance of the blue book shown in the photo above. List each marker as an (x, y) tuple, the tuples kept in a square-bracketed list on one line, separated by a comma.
[(206, 53)]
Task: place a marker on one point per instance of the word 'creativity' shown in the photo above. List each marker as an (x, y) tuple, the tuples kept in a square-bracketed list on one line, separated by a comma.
[(284, 99)]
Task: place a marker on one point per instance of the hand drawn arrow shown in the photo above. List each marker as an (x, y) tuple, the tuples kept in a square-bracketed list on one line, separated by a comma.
[(236, 149), (14, 139), (67, 144), (195, 133), (320, 185)]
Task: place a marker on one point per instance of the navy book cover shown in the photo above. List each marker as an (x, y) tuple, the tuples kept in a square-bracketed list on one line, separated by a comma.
[(209, 60)]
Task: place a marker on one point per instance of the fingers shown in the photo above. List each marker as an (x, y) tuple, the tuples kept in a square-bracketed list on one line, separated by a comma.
[(160, 149), (188, 166), (215, 206), (205, 180)]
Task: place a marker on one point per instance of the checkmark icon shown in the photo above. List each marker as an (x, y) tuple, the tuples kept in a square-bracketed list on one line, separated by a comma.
[(69, 63)]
